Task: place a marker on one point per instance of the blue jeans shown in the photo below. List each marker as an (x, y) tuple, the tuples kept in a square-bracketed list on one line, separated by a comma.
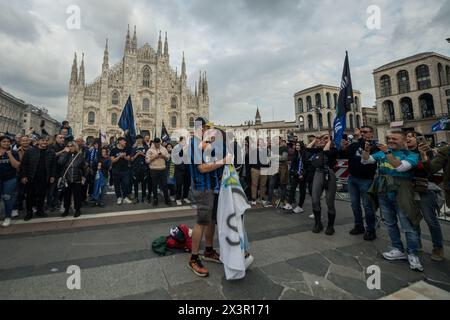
[(121, 183), (392, 213), (7, 189), (358, 189), (429, 208)]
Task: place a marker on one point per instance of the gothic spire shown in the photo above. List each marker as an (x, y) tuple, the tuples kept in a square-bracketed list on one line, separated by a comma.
[(200, 92), (160, 45), (106, 57), (81, 78), (128, 41), (183, 67), (134, 43), (166, 47), (74, 75)]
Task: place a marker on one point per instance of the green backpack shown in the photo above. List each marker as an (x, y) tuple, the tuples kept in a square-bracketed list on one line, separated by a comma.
[(159, 246)]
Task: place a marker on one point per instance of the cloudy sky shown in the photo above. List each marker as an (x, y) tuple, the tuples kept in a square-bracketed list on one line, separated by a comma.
[(256, 52)]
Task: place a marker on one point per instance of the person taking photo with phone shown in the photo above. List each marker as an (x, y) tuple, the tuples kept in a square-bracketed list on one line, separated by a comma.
[(360, 180)]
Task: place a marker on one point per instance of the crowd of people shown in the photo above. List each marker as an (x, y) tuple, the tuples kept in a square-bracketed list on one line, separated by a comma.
[(56, 174)]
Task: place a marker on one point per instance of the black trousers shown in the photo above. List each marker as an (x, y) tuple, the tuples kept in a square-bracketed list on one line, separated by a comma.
[(75, 190), (295, 181), (140, 177), (36, 192), (159, 179), (183, 181)]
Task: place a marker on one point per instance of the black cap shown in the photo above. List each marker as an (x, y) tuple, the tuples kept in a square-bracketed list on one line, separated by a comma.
[(157, 140)]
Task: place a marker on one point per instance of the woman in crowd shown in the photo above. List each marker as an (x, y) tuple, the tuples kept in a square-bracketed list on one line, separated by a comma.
[(9, 164), (297, 175), (427, 192), (101, 179), (324, 162), (182, 173), (74, 172)]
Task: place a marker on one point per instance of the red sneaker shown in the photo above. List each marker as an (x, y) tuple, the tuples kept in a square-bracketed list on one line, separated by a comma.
[(197, 267)]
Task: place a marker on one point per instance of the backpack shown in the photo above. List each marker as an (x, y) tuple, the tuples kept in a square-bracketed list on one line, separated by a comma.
[(159, 246)]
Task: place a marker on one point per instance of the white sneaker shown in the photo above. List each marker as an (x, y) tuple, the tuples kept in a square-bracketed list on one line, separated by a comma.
[(194, 206), (6, 223), (298, 210), (414, 263), (311, 216), (127, 201), (119, 201), (267, 204), (253, 203), (248, 261), (187, 201), (15, 214), (179, 203), (288, 207), (395, 254), (62, 209)]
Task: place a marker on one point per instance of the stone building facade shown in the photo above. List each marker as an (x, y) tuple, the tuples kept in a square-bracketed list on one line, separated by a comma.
[(159, 93), (18, 117), (370, 118), (413, 93), (36, 119), (11, 113), (315, 110)]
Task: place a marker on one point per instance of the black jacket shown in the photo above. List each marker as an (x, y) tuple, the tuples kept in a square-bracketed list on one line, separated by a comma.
[(30, 162), (77, 170), (355, 167)]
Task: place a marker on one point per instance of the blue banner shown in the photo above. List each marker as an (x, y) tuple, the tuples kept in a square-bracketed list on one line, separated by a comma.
[(126, 121)]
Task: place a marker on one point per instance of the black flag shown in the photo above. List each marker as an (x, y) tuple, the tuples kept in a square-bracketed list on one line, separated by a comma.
[(344, 103), (164, 134)]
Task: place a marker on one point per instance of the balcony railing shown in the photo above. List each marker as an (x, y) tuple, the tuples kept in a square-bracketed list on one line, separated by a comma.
[(417, 118)]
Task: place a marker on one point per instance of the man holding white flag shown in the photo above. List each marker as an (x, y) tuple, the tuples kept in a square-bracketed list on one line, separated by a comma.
[(230, 220)]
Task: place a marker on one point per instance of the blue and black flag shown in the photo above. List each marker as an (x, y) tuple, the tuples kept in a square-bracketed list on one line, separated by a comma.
[(344, 103), (126, 121)]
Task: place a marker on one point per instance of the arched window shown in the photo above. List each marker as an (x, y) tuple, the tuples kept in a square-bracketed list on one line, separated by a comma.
[(310, 122), (403, 82), (115, 98), (388, 108), (191, 122), (328, 100), (406, 107), (441, 75), (335, 98), (318, 100), (330, 125), (146, 105), (114, 119), (385, 85), (173, 121), (91, 118), (300, 106), (358, 121), (308, 103), (447, 71), (320, 121), (423, 77), (352, 123), (356, 103), (426, 104), (173, 103), (146, 76), (301, 121)]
